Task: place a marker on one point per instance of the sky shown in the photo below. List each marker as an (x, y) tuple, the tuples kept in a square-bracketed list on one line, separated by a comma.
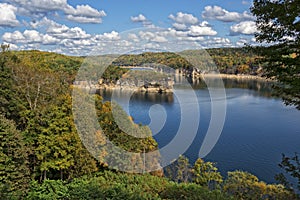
[(84, 27)]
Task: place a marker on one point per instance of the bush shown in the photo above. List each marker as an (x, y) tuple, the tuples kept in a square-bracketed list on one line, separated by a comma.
[(191, 191), (49, 189), (243, 185)]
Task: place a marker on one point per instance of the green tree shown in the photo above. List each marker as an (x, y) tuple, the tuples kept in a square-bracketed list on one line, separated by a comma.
[(58, 143), (37, 86), (180, 170), (48, 190), (206, 173), (278, 25), (291, 167), (191, 191), (10, 105), (14, 172), (243, 185), (123, 138)]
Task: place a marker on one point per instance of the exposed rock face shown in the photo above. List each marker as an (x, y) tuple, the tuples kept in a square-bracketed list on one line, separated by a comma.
[(141, 80), (194, 72), (141, 86), (157, 86), (86, 84)]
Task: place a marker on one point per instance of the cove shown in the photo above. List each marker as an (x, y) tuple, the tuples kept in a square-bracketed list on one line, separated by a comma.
[(258, 127)]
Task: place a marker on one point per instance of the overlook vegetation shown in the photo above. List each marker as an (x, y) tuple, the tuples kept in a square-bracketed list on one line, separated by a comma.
[(279, 26), (42, 156)]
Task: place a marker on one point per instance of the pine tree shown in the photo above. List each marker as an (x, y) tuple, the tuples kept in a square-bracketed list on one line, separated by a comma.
[(10, 105), (14, 172)]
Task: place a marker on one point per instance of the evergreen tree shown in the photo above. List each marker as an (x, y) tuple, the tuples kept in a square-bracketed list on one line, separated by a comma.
[(14, 172), (10, 105)]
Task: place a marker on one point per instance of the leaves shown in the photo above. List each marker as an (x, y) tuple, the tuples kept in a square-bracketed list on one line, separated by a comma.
[(206, 173), (58, 142), (278, 26), (180, 170), (243, 185), (14, 172), (291, 167)]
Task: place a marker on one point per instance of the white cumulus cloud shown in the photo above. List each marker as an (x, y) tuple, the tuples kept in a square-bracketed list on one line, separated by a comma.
[(184, 18), (202, 29), (218, 13), (8, 15), (38, 7), (29, 37), (133, 37), (159, 39), (32, 36), (13, 37), (108, 36), (146, 35), (221, 40), (84, 14), (142, 19), (179, 26), (245, 27), (49, 40), (139, 18), (149, 36), (73, 33), (60, 31), (41, 8), (112, 35)]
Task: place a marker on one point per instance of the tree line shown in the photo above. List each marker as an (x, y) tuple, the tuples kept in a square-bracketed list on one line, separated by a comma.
[(226, 60)]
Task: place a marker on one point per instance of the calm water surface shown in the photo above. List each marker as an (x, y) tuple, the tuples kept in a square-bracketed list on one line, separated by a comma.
[(257, 130)]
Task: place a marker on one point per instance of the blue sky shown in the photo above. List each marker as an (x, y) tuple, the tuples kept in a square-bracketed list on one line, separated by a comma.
[(78, 27)]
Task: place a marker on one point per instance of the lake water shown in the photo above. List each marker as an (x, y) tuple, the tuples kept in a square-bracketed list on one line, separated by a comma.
[(258, 128)]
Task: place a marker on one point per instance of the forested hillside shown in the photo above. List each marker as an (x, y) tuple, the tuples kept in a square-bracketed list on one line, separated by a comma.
[(226, 60)]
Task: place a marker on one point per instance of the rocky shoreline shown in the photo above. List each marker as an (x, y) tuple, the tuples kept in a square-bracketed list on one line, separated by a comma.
[(146, 89), (234, 76), (155, 87)]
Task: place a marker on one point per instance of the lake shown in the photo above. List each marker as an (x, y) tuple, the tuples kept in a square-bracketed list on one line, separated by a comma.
[(258, 128)]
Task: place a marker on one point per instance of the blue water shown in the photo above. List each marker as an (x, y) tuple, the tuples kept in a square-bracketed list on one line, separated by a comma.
[(258, 128)]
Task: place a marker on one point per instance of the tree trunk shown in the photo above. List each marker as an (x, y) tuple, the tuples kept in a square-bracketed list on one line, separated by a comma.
[(45, 174)]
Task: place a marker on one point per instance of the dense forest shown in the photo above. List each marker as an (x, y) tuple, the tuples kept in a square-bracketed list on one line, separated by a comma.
[(226, 60), (233, 61), (42, 155)]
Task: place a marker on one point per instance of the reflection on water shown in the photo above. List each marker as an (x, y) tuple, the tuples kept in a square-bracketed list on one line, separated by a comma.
[(138, 96), (261, 88)]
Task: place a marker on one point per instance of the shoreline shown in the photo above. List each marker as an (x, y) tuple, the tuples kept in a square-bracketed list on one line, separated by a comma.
[(137, 89), (87, 85), (233, 76)]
